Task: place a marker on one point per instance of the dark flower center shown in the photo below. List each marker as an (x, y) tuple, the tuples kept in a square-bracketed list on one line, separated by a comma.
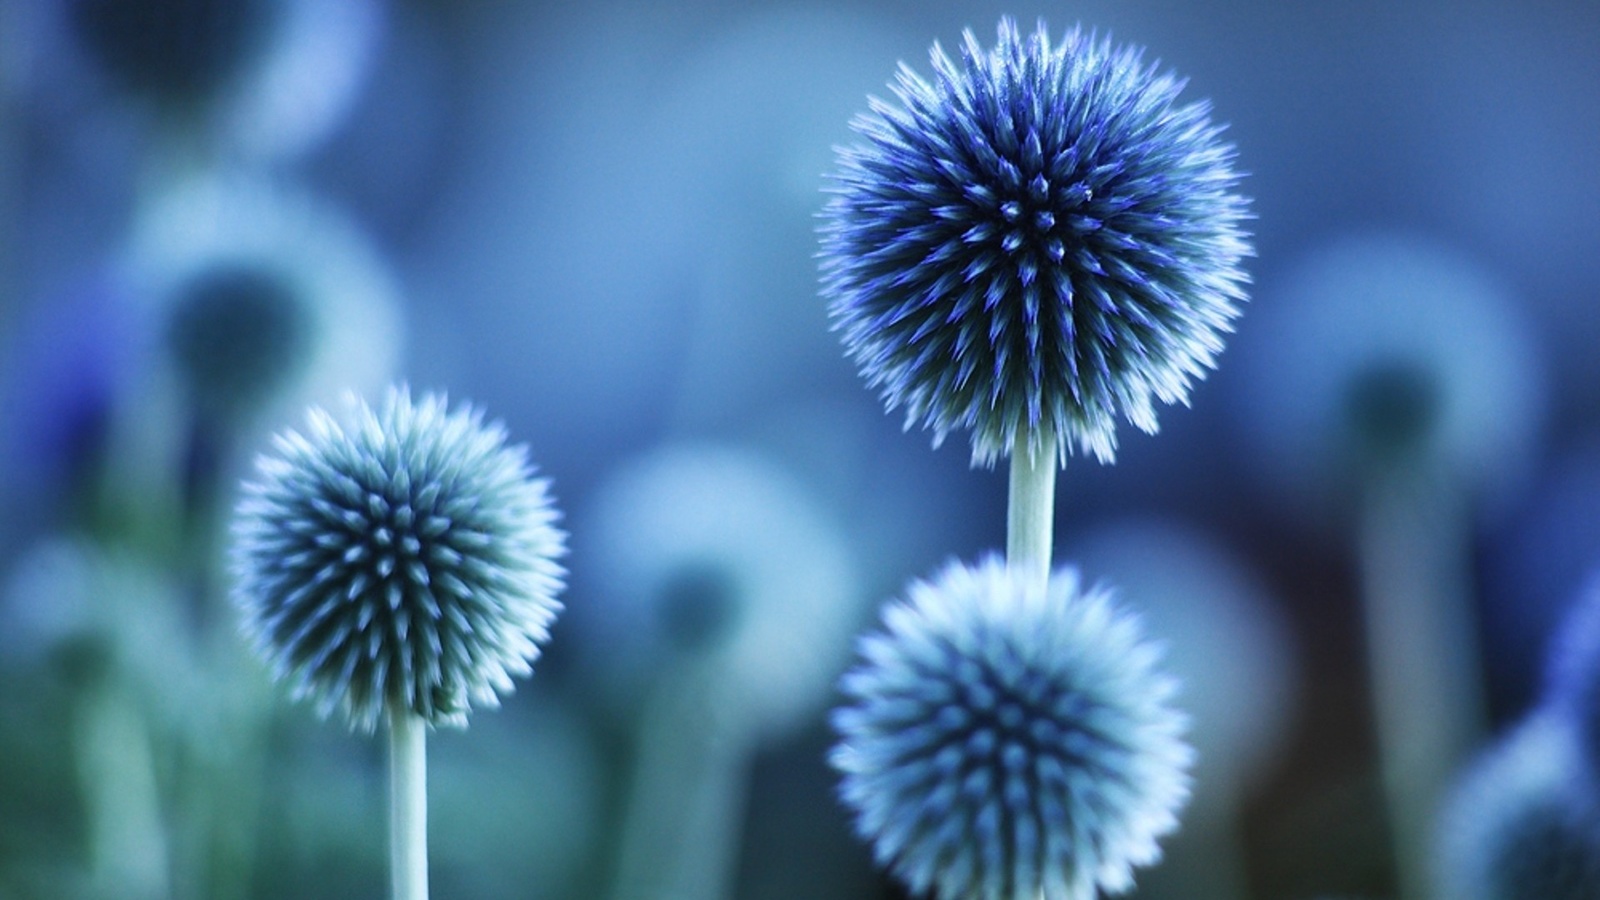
[(235, 333), (1393, 408), (699, 604), (182, 51)]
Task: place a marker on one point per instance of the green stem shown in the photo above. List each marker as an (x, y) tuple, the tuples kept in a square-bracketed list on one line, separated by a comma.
[(1422, 653), (1030, 512), (680, 838), (408, 807), (127, 843)]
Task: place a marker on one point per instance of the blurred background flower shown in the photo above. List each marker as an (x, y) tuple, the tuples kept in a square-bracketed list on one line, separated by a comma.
[(1523, 821), (599, 222)]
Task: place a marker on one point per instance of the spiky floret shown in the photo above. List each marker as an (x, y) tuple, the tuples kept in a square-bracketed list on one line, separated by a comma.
[(1011, 742), (403, 560), (1039, 239)]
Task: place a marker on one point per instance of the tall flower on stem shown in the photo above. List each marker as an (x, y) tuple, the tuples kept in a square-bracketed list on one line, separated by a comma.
[(1039, 240), (1401, 393), (399, 565), (1036, 241)]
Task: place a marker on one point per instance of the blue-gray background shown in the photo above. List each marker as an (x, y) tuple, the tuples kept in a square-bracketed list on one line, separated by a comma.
[(601, 223)]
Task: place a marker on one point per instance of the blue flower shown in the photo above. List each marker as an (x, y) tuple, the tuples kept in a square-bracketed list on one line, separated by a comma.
[(180, 52), (1009, 743), (717, 553), (268, 299), (236, 334), (403, 560), (1237, 657), (1036, 241), (266, 80), (1522, 823), (1382, 351)]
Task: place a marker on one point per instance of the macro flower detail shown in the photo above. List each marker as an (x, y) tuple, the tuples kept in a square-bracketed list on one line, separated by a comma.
[(1005, 741), (404, 559), (1036, 241)]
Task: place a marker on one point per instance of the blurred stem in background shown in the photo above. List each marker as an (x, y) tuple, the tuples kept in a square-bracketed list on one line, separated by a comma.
[(1422, 653), (681, 835), (113, 745)]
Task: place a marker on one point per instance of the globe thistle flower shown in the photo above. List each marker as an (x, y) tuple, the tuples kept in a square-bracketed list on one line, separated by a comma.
[(1010, 742), (716, 553), (1038, 240), (184, 53), (266, 79), (237, 333), (1385, 350), (1523, 823), (267, 299), (402, 560)]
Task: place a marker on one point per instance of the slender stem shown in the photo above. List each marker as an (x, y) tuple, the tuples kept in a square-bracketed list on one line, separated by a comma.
[(680, 837), (127, 843), (408, 807), (1030, 512), (1422, 652)]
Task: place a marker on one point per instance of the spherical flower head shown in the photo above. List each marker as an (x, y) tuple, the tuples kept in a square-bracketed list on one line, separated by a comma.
[(1036, 241), (236, 335), (401, 561), (180, 52), (1389, 352), (717, 553), (1522, 823), (266, 299), (1007, 742)]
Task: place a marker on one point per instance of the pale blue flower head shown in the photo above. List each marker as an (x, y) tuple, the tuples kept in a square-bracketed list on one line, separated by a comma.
[(1007, 742), (268, 298), (1522, 822), (721, 554), (266, 79), (1386, 351), (1040, 239), (401, 560)]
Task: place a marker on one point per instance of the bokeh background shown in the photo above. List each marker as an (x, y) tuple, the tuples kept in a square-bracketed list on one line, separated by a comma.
[(597, 222)]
